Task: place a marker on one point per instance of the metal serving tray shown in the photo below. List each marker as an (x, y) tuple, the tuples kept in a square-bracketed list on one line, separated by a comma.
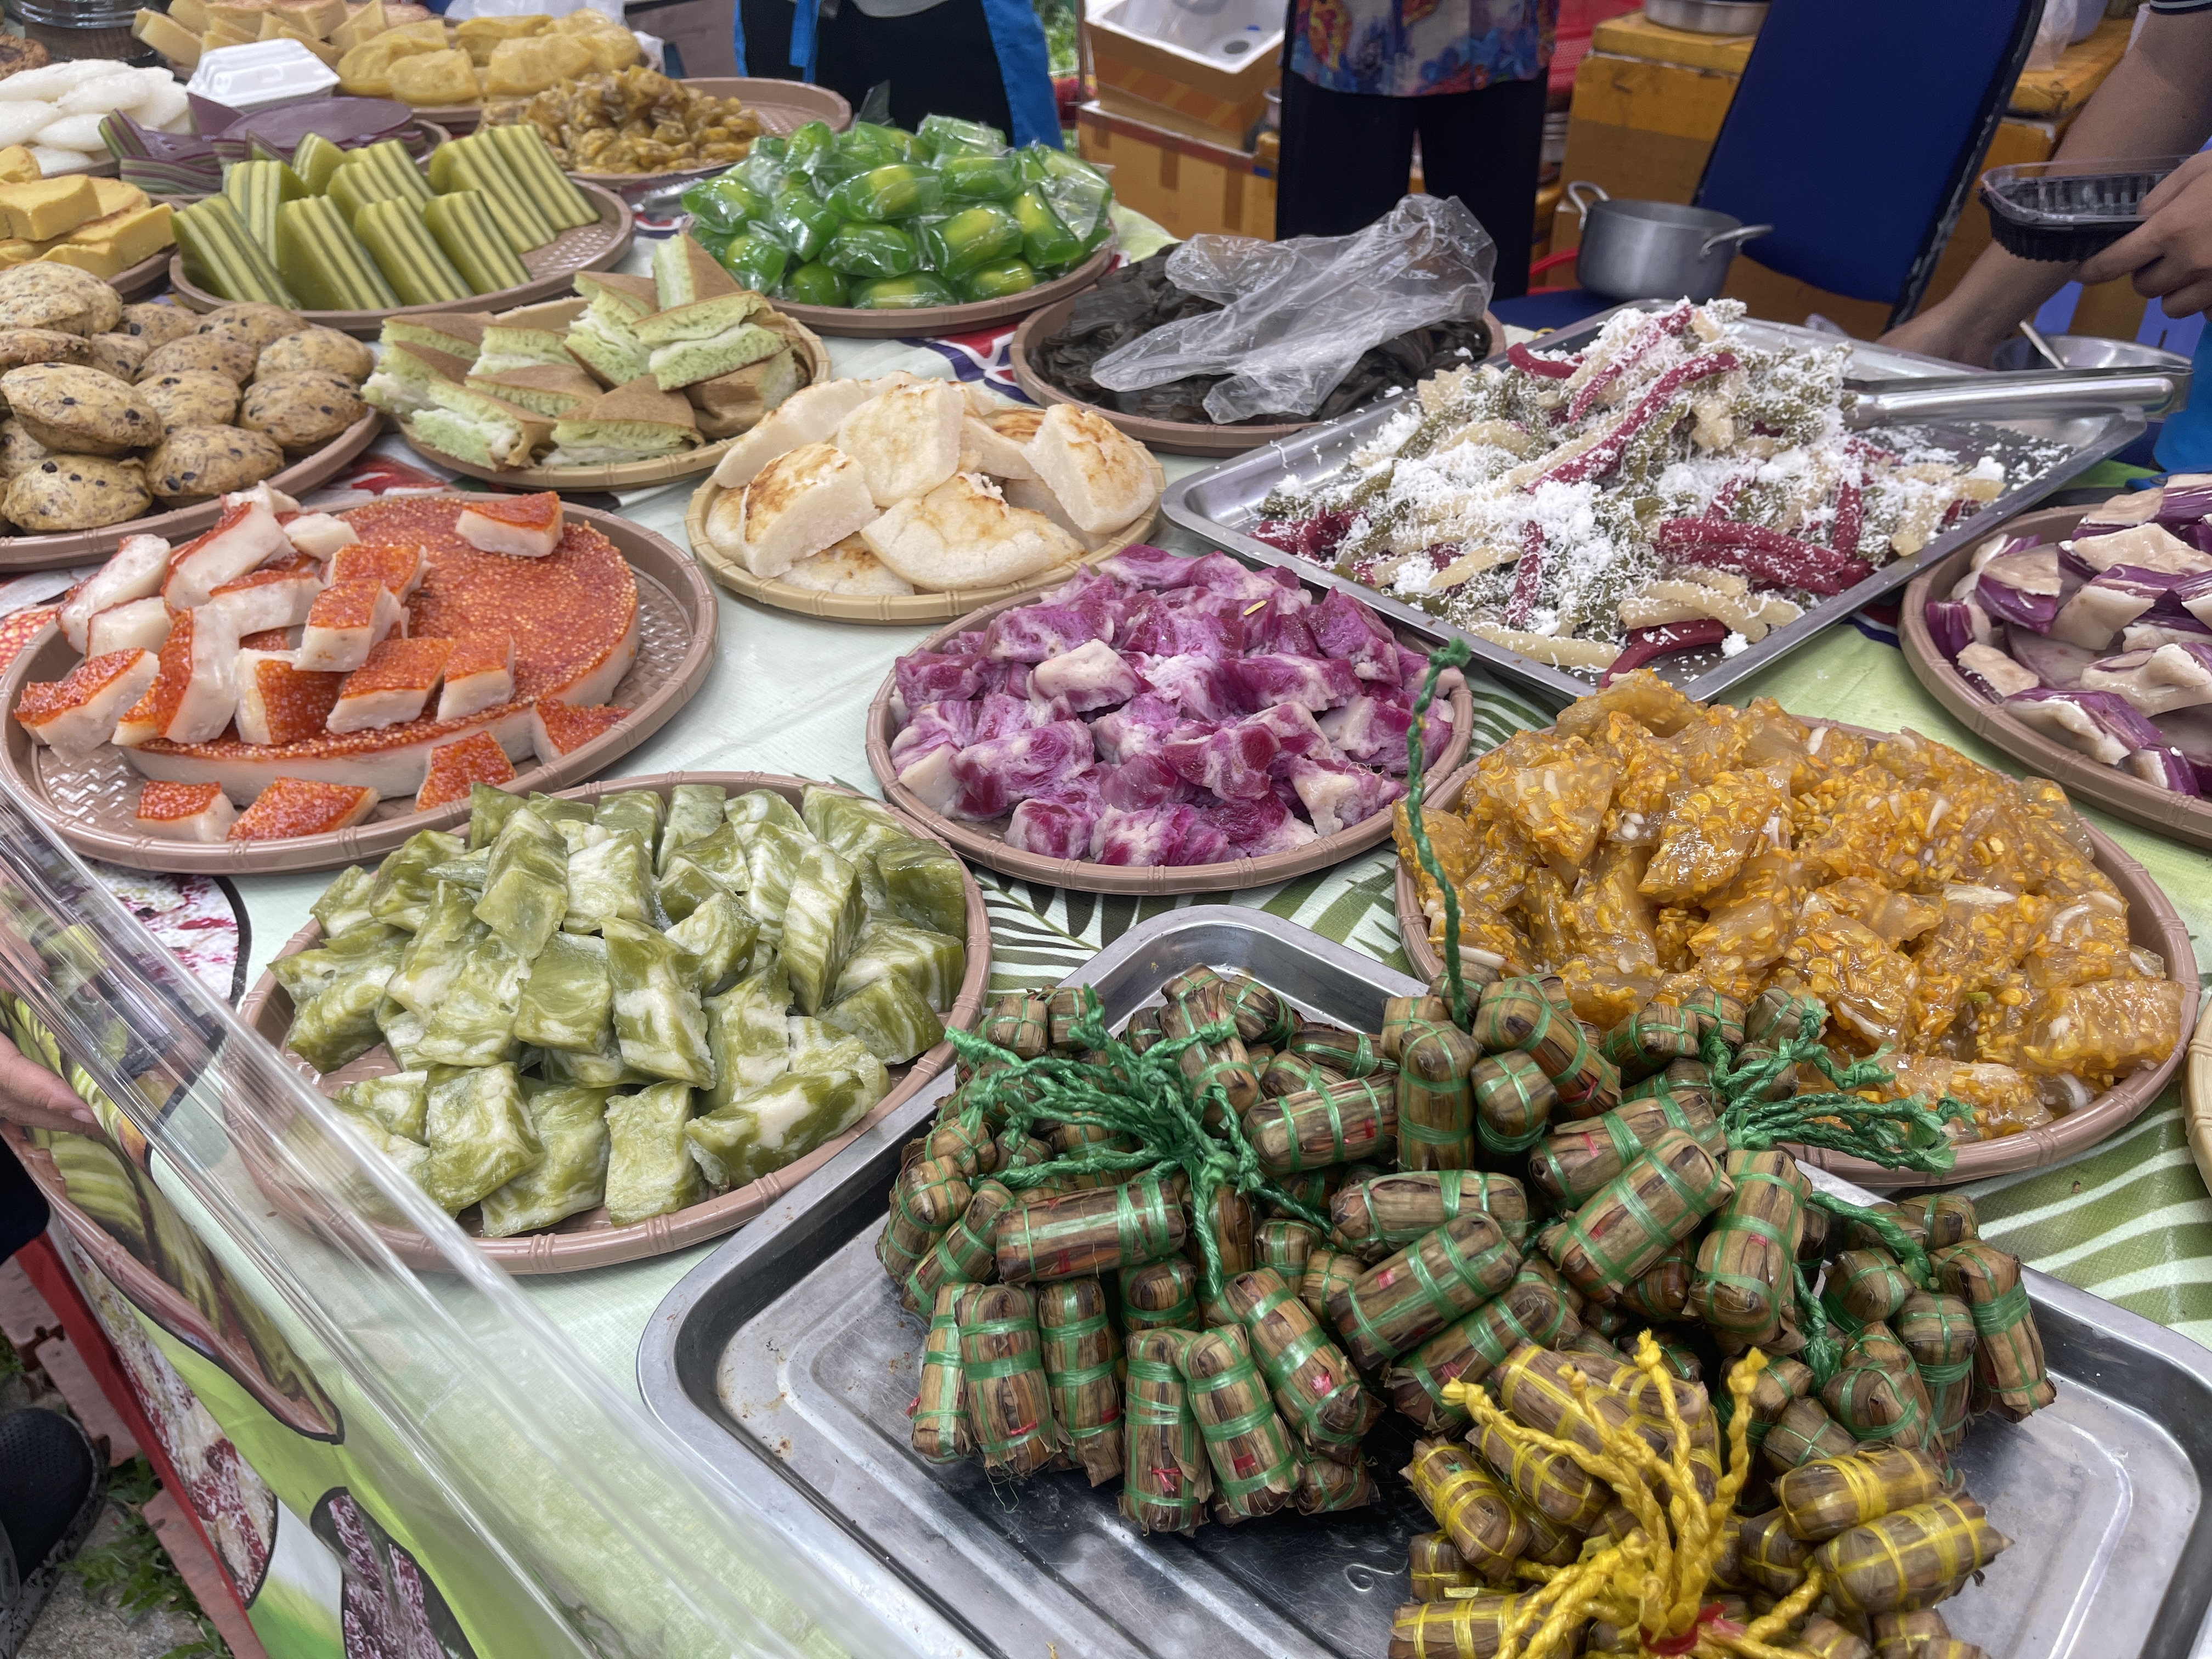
[(1223, 502), (784, 1361)]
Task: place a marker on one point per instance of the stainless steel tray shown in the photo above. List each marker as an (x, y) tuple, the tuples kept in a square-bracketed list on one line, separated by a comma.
[(1221, 502), (784, 1362)]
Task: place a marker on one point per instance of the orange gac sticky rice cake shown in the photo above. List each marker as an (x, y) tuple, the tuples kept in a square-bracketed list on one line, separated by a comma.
[(280, 703), (347, 623), (520, 527), (479, 675), (558, 729), (476, 758), (400, 566), (301, 806), (184, 811), (76, 714), (391, 686)]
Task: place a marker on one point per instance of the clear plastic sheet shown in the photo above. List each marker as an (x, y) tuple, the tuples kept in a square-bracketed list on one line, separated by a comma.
[(1298, 315)]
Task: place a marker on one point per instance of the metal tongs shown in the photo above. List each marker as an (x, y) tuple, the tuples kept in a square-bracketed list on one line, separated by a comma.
[(2025, 394)]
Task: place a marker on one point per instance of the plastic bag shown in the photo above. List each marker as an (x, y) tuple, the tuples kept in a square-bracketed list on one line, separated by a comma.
[(2062, 23), (1298, 314)]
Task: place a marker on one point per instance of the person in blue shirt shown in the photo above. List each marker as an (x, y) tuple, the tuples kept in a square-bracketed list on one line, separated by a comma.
[(2157, 102), (1361, 78), (981, 60)]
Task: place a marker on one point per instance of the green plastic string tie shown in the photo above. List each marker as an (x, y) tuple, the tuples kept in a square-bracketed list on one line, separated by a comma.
[(1910, 1255), (1453, 654), (1898, 1134), (1822, 1354), (1145, 1097)]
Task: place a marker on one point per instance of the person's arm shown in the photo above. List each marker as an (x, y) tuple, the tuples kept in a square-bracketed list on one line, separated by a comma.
[(2157, 102)]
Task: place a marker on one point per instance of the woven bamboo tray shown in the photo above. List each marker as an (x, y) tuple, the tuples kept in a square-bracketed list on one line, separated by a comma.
[(783, 106), (1176, 437), (901, 609), (589, 1240), (931, 321), (77, 546), (986, 842), (626, 475), (588, 248), (225, 1343), (2184, 818), (89, 803), (2153, 923)]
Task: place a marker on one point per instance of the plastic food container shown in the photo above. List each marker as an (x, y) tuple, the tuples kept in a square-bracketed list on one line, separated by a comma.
[(2068, 210), (261, 76)]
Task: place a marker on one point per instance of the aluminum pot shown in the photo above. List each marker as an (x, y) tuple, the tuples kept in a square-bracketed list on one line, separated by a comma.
[(1654, 249)]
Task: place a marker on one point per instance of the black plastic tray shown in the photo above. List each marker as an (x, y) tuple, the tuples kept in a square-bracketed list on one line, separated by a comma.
[(2068, 210)]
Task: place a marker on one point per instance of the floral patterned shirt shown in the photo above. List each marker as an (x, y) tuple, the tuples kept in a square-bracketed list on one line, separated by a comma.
[(1409, 48)]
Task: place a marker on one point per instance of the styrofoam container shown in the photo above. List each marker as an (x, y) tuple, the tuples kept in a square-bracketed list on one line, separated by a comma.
[(261, 76)]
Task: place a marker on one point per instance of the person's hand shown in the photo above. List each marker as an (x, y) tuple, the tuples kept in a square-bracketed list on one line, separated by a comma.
[(34, 1097), (1947, 330), (2170, 253)]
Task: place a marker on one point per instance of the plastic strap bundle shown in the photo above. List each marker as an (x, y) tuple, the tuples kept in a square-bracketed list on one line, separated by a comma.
[(927, 1198), (1574, 1163), (1878, 1395), (1254, 1472), (1079, 1235), (1939, 1332), (1436, 1101), (1552, 1483), (1317, 1394), (1160, 1295), (1468, 1501), (1349, 1053), (1082, 1372), (1425, 1287), (1770, 1554), (940, 1416), (2008, 1370), (1169, 1478), (1866, 1284), (1909, 1557), (1325, 1485), (1002, 1370), (1018, 1023), (1513, 1103), (1344, 1122), (963, 1255), (1648, 1040), (1386, 1212), (1745, 1278), (1438, 1568), (1286, 1246), (1661, 1197), (1529, 1311)]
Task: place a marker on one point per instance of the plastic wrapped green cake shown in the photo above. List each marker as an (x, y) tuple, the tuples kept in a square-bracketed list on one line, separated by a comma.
[(634, 1006)]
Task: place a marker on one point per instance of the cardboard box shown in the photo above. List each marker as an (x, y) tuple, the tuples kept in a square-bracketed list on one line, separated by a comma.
[(1203, 74), (1188, 186)]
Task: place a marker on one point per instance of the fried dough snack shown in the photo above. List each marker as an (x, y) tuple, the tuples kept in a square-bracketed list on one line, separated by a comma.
[(635, 121)]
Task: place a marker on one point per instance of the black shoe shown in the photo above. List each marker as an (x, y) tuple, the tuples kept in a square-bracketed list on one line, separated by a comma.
[(53, 1485)]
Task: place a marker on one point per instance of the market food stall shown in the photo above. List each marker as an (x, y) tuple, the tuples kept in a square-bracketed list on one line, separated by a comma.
[(564, 1112)]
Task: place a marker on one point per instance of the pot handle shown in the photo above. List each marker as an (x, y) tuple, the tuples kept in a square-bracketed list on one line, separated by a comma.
[(1582, 207), (1740, 235)]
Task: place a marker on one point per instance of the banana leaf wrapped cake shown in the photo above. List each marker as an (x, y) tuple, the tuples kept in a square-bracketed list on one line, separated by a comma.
[(636, 1004)]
